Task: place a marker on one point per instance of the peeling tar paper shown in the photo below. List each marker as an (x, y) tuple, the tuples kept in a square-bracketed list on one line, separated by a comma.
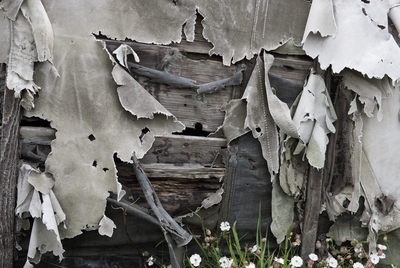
[(84, 101), (353, 34)]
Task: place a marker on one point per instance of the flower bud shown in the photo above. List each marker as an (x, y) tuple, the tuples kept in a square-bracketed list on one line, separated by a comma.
[(207, 239), (258, 252), (318, 244), (208, 232), (264, 240), (385, 238)]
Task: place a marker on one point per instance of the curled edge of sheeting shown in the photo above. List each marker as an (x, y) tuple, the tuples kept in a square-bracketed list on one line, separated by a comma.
[(36, 199), (129, 90), (358, 33), (31, 41), (321, 11)]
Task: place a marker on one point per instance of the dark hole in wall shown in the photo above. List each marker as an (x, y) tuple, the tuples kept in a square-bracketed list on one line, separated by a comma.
[(91, 137), (196, 131), (94, 163), (34, 122)]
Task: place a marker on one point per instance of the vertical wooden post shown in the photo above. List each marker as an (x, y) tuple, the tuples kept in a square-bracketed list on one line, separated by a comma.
[(312, 210), (9, 165)]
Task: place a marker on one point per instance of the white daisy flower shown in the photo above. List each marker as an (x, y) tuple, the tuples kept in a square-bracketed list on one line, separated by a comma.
[(358, 265), (296, 261), (374, 258), (195, 260), (279, 260), (313, 257), (150, 261), (357, 250), (382, 247), (225, 226), (224, 262), (332, 262), (250, 265), (254, 249)]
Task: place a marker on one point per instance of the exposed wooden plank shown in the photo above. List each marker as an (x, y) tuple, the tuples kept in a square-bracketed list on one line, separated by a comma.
[(186, 104), (179, 149), (314, 190), (295, 68), (160, 170), (9, 165), (311, 211)]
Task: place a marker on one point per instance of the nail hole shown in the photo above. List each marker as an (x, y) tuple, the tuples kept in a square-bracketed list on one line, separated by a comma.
[(258, 129), (144, 131), (94, 163), (91, 137), (105, 169)]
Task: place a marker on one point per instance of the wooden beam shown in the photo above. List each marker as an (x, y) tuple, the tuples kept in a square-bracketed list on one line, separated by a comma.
[(9, 165), (311, 211)]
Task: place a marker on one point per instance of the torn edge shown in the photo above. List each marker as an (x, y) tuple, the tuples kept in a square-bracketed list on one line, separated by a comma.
[(36, 199), (31, 41)]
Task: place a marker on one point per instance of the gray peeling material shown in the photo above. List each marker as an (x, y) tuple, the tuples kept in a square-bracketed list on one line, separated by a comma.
[(239, 29), (5, 34), (83, 101), (34, 12), (380, 164), (314, 117), (31, 41), (11, 8), (129, 91), (369, 92), (36, 199), (233, 125), (122, 52), (281, 221), (21, 58), (259, 118), (361, 29), (321, 11)]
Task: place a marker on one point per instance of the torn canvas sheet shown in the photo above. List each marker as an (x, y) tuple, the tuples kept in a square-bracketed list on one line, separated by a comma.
[(240, 29), (35, 14), (314, 117), (361, 42), (281, 202), (5, 34), (122, 53), (259, 118), (11, 8), (31, 41), (369, 91), (82, 104), (36, 199), (233, 125), (380, 165)]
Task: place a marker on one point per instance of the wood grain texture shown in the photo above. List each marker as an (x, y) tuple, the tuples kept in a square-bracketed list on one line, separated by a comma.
[(180, 149), (311, 211), (192, 60), (9, 166)]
